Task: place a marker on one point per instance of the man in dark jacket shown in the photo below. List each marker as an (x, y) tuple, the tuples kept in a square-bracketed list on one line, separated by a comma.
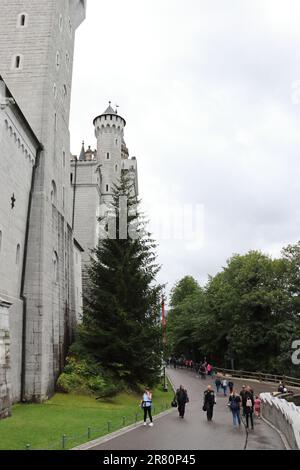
[(209, 402), (249, 399), (243, 395), (182, 399)]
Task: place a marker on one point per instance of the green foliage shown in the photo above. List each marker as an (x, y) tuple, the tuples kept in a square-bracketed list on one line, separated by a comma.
[(87, 377), (121, 328), (248, 312)]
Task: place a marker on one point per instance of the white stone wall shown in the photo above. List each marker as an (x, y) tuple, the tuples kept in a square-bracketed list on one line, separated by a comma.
[(78, 282), (5, 379), (42, 87), (17, 156)]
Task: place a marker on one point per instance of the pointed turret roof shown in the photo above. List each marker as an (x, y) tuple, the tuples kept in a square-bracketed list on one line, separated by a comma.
[(82, 153), (110, 110)]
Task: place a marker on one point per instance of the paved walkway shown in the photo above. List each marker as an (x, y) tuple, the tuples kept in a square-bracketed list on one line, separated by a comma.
[(194, 432)]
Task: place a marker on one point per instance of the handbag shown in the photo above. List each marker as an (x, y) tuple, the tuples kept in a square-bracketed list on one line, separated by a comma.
[(174, 403), (204, 408)]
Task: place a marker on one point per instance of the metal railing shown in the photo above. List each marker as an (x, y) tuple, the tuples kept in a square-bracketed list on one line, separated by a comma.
[(68, 441), (259, 376)]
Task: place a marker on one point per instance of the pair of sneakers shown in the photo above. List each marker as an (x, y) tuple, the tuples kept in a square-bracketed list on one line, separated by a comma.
[(150, 424)]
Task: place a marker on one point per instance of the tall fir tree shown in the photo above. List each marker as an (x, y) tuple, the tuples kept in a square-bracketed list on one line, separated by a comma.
[(121, 327)]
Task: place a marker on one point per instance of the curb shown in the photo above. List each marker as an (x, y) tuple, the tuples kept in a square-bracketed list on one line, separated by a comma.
[(101, 440)]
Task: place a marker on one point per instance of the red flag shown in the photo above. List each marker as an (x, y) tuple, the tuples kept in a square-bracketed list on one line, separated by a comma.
[(163, 320)]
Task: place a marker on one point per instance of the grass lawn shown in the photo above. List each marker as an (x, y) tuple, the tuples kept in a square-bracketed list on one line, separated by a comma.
[(42, 426)]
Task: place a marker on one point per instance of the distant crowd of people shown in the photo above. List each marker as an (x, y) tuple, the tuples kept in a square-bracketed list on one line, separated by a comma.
[(244, 403)]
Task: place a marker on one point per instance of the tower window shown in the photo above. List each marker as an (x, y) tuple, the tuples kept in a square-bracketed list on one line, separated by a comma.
[(71, 178), (65, 92), (107, 156), (22, 20), (55, 267), (18, 252), (64, 159), (17, 62), (107, 188), (67, 60), (57, 59), (53, 193), (64, 198), (116, 168), (60, 22)]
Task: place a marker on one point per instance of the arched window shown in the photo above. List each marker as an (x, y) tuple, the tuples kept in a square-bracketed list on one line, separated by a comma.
[(116, 168), (18, 253), (53, 193), (60, 22), (65, 92), (55, 267), (63, 197)]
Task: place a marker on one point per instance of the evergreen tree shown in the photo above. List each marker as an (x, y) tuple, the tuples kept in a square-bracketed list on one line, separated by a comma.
[(121, 327)]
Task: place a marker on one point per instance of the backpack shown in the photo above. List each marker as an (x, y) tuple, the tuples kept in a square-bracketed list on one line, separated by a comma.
[(234, 405)]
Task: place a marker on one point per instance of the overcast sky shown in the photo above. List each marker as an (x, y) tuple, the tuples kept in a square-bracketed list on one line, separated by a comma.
[(210, 90)]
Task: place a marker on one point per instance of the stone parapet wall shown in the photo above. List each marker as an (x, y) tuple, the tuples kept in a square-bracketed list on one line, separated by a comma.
[(285, 416)]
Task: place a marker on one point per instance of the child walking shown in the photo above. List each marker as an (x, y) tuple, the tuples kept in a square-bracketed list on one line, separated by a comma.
[(257, 406)]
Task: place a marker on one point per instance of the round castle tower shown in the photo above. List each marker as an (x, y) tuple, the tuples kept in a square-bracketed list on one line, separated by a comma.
[(111, 147)]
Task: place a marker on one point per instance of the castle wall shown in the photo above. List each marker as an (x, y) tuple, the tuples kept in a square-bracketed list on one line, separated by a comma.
[(42, 86), (18, 150)]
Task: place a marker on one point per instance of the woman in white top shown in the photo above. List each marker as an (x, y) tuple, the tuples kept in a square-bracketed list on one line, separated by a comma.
[(147, 406)]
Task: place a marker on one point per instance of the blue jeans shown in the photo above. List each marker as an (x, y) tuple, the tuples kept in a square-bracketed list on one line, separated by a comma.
[(236, 417), (225, 390)]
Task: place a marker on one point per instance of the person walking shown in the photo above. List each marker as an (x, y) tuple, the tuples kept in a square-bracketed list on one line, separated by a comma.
[(249, 407), (218, 384), (235, 407), (257, 406), (182, 399), (203, 371), (146, 405), (224, 386), (242, 395), (230, 385), (209, 402)]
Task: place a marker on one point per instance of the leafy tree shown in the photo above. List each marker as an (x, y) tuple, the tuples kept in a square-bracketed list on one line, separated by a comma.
[(121, 327), (248, 312)]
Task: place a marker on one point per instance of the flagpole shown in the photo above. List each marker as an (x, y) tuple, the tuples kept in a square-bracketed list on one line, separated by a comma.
[(163, 321)]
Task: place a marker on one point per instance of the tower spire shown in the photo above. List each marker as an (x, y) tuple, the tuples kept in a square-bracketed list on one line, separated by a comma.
[(82, 153)]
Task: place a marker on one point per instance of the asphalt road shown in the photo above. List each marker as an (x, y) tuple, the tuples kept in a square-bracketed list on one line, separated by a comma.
[(194, 432)]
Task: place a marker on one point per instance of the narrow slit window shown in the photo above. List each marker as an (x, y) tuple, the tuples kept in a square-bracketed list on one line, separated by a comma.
[(107, 188), (18, 62)]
